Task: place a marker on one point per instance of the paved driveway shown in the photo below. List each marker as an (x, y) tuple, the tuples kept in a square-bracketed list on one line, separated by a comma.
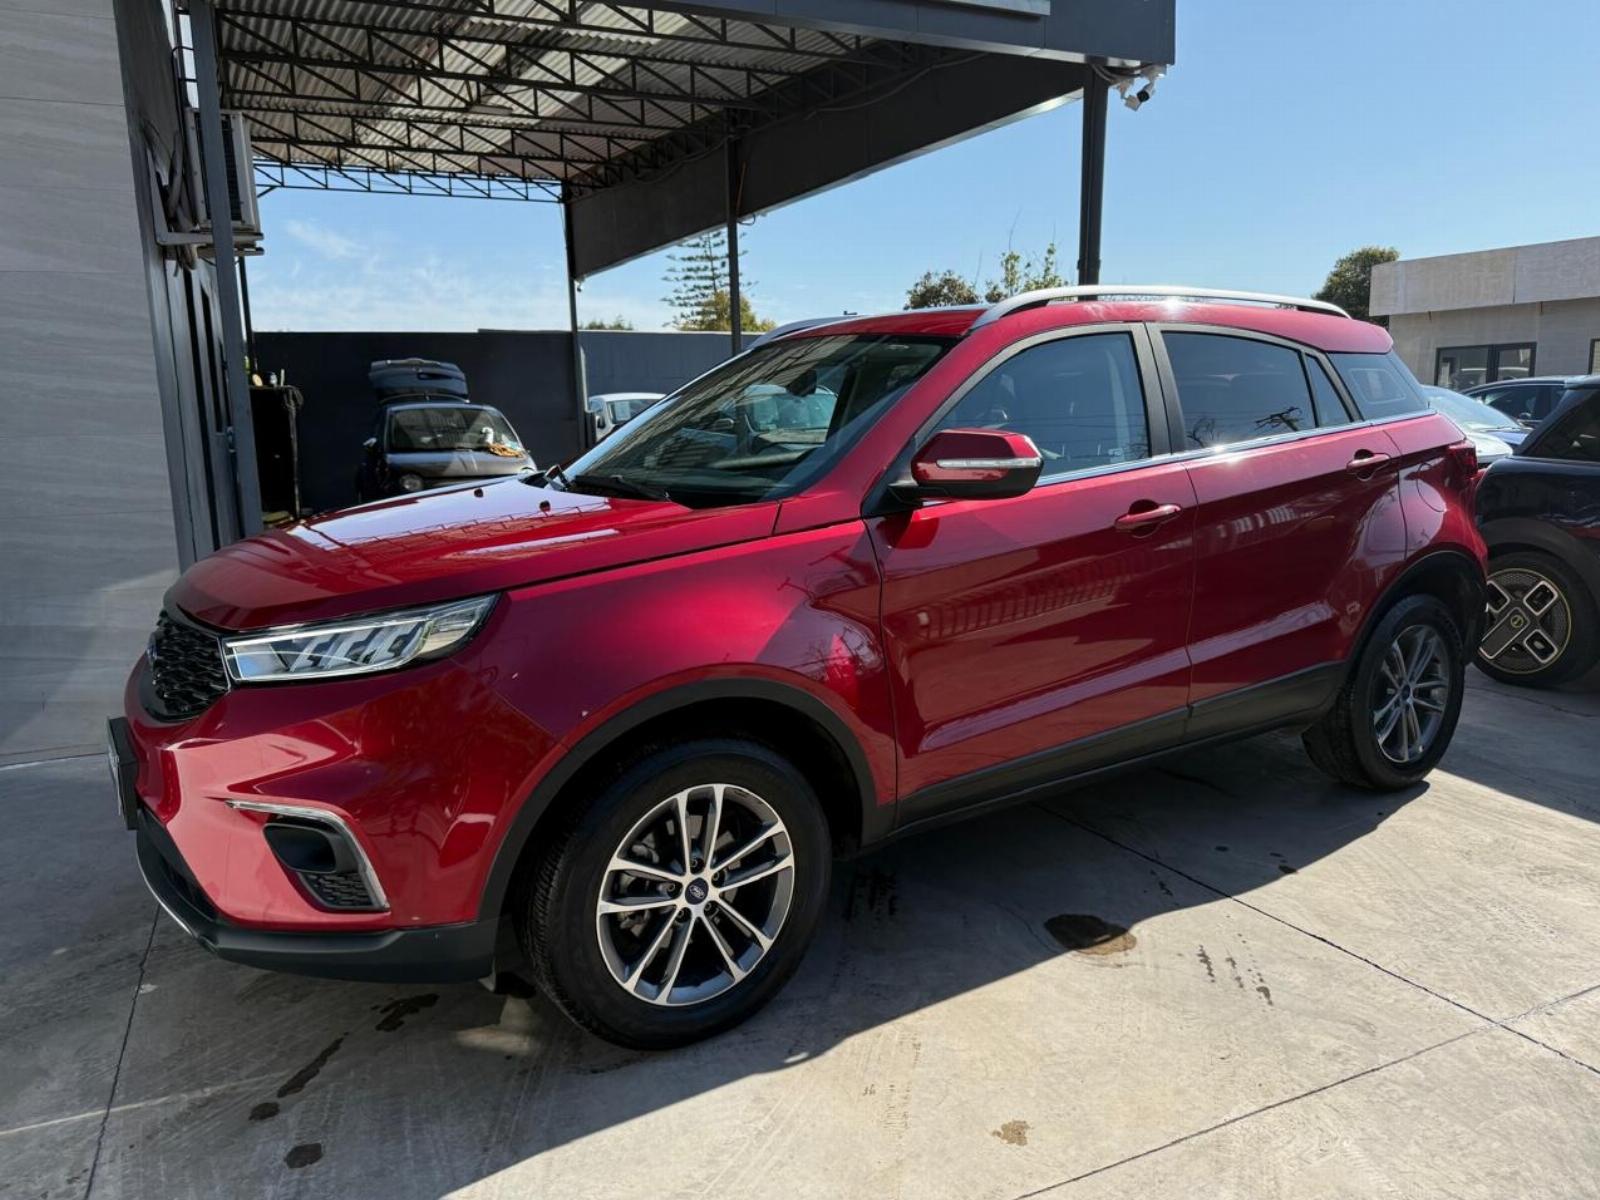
[(1226, 977)]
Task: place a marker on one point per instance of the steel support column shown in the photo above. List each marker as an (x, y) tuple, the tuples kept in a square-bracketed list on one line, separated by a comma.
[(241, 431), (580, 372), (735, 188), (249, 321), (1092, 179)]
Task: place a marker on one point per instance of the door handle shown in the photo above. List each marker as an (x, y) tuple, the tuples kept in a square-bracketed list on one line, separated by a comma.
[(1144, 520), (1366, 462)]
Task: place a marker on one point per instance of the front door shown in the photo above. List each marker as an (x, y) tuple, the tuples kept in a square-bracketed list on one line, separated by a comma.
[(1044, 634)]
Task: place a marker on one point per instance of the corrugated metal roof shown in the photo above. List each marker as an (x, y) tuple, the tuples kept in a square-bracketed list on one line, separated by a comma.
[(561, 90)]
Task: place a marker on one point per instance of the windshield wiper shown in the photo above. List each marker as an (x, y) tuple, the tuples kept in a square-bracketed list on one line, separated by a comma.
[(554, 471), (621, 485)]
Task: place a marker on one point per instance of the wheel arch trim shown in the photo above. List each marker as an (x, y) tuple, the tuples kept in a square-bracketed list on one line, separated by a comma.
[(592, 745), (1446, 558)]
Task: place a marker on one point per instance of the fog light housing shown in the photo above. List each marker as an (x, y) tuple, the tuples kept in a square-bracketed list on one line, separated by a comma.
[(411, 483)]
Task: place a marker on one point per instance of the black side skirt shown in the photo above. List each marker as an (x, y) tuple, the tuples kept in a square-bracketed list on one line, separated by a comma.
[(1296, 699)]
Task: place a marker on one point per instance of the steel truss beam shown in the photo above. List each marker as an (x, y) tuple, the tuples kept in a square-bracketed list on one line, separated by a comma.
[(322, 177), (381, 65), (340, 131), (621, 22), (820, 89)]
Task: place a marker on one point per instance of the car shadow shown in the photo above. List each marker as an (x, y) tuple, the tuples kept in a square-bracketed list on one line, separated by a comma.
[(418, 1091)]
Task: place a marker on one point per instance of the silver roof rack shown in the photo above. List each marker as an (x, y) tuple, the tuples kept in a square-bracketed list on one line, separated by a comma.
[(1138, 291)]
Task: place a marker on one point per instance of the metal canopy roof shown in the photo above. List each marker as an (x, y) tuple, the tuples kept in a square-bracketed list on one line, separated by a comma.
[(624, 111)]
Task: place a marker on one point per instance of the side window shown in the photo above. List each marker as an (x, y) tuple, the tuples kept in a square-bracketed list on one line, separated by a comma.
[(1330, 409), (1544, 401), (1078, 398), (1380, 384), (1575, 436), (1233, 389), (1501, 400)]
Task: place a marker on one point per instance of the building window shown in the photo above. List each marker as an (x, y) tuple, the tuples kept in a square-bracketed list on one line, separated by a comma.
[(1594, 357), (1462, 367)]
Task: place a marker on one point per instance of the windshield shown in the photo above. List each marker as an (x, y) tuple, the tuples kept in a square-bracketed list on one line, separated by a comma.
[(1472, 415), (763, 425), (451, 428)]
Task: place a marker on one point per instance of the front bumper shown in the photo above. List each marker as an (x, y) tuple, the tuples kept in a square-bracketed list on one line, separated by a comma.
[(437, 954)]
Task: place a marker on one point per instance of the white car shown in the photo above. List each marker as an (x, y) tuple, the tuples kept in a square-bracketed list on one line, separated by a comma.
[(613, 410)]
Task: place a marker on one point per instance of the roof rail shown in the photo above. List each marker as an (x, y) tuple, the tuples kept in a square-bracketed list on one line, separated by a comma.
[(1138, 291)]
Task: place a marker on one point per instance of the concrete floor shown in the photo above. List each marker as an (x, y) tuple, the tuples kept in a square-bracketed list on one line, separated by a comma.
[(1223, 978)]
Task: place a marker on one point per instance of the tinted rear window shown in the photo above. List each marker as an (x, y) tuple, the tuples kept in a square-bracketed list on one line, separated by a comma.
[(1380, 385), (1234, 389)]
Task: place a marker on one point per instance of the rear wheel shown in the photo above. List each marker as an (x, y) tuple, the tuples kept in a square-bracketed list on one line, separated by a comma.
[(1540, 628), (682, 897), (1397, 711)]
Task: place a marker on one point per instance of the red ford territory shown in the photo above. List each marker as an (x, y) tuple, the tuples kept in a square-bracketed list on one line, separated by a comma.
[(866, 577)]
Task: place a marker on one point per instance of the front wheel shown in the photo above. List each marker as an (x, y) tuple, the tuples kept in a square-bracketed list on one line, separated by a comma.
[(1395, 715), (1540, 627), (682, 897)]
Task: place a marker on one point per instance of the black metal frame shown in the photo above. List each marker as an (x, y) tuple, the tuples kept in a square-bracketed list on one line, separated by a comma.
[(1492, 366), (387, 96)]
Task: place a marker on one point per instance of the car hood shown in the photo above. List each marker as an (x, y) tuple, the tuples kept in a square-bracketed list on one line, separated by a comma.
[(444, 545)]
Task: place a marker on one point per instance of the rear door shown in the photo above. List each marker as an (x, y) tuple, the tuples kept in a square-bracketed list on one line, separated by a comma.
[(1044, 634), (1298, 520)]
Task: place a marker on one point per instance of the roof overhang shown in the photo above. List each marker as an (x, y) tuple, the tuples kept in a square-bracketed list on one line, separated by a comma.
[(625, 111)]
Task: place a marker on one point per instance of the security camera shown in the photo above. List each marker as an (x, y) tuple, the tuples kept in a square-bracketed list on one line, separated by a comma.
[(1136, 97)]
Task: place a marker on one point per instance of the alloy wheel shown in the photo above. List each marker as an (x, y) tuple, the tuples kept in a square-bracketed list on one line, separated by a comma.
[(1412, 694), (695, 895), (1529, 619)]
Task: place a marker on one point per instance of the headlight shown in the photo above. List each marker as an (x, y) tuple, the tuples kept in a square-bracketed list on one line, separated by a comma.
[(411, 483), (355, 647)]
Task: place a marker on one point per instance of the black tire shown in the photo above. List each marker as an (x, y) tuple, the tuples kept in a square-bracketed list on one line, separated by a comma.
[(561, 932), (1345, 744), (1570, 629)]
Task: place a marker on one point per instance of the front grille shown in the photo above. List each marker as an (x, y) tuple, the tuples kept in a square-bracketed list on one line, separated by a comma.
[(186, 672), (342, 889)]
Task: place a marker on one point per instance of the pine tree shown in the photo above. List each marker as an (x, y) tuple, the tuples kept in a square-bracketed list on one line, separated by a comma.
[(698, 277)]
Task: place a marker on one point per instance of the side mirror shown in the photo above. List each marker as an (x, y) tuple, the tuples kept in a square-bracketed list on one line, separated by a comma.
[(976, 464)]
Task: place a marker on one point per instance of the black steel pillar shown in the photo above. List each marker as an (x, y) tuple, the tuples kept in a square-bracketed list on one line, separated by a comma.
[(735, 190), (580, 371), (249, 322), (241, 431), (1092, 180)]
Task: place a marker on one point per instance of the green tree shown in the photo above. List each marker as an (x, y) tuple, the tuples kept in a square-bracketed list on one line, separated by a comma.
[(1349, 284), (1024, 274), (1019, 272), (714, 315), (940, 291), (618, 323), (698, 277)]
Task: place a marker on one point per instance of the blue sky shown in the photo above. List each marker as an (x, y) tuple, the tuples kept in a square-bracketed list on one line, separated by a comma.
[(1287, 133)]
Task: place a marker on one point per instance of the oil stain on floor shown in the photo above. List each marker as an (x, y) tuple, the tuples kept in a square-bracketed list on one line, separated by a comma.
[(1012, 1133), (1084, 934)]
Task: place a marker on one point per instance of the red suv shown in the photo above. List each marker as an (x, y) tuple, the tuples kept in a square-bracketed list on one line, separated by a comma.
[(875, 574)]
